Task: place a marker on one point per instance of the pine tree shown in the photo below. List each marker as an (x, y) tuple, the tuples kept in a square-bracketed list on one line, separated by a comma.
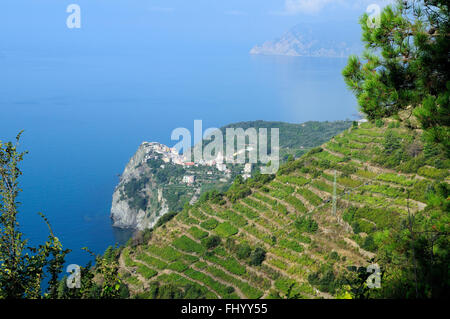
[(405, 66)]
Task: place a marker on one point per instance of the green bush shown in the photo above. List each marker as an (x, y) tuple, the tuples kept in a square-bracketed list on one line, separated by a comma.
[(334, 255), (211, 242), (243, 251), (165, 218), (257, 257), (324, 279), (238, 190), (306, 224)]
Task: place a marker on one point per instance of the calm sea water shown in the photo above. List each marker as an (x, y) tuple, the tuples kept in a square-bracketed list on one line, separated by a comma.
[(85, 113)]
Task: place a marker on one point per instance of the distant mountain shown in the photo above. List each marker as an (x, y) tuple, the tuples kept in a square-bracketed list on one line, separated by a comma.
[(312, 41)]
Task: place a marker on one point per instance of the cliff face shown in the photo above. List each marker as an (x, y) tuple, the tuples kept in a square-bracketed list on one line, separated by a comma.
[(155, 181), (138, 201)]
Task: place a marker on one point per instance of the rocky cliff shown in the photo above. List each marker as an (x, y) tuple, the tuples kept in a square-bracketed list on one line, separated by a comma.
[(138, 200), (157, 180)]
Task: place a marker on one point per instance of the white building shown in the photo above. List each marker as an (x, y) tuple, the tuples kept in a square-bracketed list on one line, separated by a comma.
[(221, 167), (189, 179)]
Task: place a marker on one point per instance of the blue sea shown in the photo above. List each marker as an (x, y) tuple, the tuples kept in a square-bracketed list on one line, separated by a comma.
[(85, 111)]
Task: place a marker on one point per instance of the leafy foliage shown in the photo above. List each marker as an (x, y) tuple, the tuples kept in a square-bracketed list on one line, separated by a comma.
[(23, 268), (405, 65), (306, 224)]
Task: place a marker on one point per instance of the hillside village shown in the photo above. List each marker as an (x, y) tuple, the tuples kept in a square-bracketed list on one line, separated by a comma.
[(171, 155)]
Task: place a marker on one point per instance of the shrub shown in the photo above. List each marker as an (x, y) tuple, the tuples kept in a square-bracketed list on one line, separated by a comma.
[(238, 190), (248, 212), (165, 218), (306, 224), (213, 196), (334, 255), (369, 244), (257, 257), (324, 279), (211, 242), (243, 251), (296, 180)]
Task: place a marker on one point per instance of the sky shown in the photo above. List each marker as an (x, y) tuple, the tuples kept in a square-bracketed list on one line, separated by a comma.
[(40, 25)]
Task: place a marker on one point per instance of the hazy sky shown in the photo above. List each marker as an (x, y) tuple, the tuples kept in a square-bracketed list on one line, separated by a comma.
[(166, 24)]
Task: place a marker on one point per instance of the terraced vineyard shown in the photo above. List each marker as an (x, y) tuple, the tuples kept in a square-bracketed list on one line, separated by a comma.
[(283, 240)]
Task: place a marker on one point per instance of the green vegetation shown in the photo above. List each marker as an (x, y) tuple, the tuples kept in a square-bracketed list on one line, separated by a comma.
[(395, 178), (25, 269), (197, 232), (257, 256), (404, 66), (210, 224), (226, 230), (283, 236), (186, 244), (306, 224), (211, 242), (151, 261), (132, 191), (146, 272), (268, 235)]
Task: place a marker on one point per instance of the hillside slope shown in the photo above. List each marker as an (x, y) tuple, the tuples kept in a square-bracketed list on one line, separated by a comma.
[(153, 182), (284, 240)]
